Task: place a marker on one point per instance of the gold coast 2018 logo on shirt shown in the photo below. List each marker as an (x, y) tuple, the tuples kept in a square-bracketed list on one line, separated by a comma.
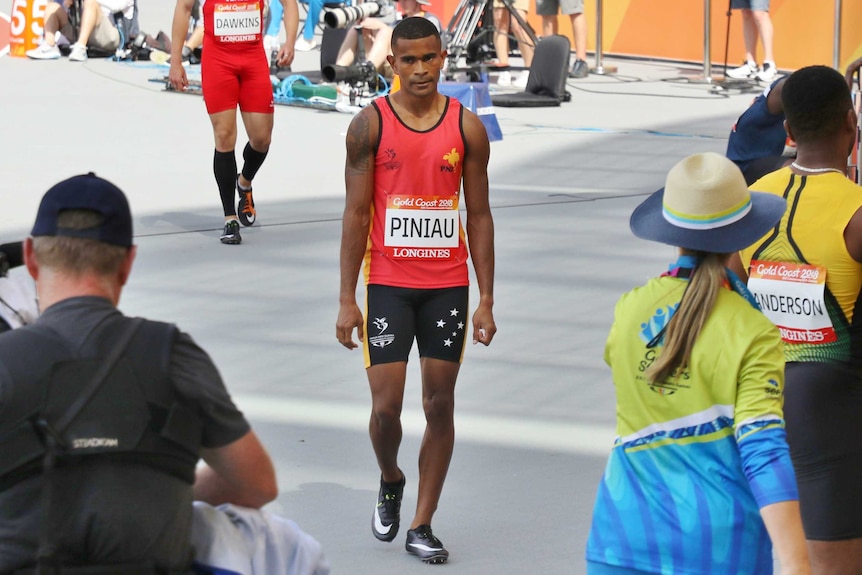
[(452, 158)]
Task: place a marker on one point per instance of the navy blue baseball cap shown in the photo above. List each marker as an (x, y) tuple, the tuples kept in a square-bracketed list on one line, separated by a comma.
[(86, 192)]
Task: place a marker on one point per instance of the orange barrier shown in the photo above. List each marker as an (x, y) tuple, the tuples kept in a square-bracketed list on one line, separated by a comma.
[(674, 30), (5, 33), (28, 17)]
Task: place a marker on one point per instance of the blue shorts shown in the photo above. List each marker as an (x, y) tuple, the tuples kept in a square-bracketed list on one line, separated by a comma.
[(760, 5)]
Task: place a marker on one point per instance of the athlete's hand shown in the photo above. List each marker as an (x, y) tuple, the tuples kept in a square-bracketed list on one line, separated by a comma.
[(285, 55), (349, 317), (484, 327), (177, 76)]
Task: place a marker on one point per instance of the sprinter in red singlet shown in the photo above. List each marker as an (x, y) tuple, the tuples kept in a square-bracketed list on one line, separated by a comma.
[(407, 157), (234, 72)]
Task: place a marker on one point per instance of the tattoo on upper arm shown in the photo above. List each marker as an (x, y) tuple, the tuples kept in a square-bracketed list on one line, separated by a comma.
[(359, 145)]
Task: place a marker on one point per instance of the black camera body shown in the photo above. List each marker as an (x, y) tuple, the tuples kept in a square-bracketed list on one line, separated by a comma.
[(360, 73)]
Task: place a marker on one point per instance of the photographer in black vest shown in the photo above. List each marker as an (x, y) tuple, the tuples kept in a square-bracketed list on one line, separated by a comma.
[(103, 418)]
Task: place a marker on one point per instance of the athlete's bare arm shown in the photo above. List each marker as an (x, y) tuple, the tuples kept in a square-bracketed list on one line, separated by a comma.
[(773, 100), (480, 224), (291, 26), (362, 136), (853, 236), (179, 29)]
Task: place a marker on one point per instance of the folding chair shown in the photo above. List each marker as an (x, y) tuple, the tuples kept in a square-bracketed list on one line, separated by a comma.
[(546, 85)]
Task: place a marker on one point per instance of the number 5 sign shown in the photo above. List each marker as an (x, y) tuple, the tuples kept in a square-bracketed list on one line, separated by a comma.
[(28, 17)]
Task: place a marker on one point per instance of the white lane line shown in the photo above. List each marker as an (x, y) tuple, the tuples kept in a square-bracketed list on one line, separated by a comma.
[(563, 190), (575, 438)]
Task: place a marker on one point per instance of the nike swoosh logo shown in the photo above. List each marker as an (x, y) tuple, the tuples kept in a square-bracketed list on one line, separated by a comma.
[(425, 547), (378, 525)]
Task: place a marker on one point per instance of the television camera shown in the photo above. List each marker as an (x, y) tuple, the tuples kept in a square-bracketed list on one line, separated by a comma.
[(345, 16)]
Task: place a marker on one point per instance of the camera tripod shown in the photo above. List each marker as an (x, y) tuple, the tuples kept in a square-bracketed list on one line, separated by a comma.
[(462, 39)]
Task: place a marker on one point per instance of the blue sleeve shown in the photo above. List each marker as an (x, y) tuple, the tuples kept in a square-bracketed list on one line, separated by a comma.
[(766, 462)]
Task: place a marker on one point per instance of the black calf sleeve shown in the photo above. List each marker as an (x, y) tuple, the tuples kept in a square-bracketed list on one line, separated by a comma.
[(224, 167), (252, 161)]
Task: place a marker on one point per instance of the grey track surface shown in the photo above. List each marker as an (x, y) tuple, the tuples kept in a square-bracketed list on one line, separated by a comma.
[(535, 410)]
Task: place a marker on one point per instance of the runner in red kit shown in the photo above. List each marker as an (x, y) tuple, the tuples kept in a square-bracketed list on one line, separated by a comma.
[(408, 156), (234, 72)]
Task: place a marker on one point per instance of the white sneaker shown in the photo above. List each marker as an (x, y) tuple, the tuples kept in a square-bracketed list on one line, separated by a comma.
[(504, 78), (269, 42), (44, 52), (78, 53), (521, 81), (767, 73), (747, 70), (303, 45)]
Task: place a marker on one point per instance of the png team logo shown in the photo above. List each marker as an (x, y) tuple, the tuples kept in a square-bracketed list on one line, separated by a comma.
[(382, 339), (452, 158)]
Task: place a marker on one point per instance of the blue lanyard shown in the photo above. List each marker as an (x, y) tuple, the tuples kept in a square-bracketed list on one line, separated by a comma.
[(684, 267)]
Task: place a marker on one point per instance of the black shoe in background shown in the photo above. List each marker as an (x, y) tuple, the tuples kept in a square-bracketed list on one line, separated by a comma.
[(230, 235), (580, 69)]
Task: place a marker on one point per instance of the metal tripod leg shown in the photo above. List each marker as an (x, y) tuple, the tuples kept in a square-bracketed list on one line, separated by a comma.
[(461, 32)]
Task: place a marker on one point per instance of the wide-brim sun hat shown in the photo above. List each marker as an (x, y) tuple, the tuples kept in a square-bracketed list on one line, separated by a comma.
[(706, 206)]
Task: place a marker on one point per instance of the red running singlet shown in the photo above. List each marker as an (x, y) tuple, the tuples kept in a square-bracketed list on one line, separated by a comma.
[(234, 67), (416, 238)]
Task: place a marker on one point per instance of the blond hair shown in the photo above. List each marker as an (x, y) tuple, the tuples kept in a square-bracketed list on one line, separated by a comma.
[(76, 256), (688, 320)]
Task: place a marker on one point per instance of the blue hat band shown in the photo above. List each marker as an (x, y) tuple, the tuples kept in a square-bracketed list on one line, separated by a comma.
[(710, 222)]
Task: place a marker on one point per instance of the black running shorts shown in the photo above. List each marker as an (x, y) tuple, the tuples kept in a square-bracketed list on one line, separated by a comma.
[(823, 414), (435, 318)]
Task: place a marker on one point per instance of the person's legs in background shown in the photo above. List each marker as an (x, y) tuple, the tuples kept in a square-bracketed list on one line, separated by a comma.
[(763, 25), (55, 20), (756, 23), (307, 42), (501, 43), (96, 30), (273, 26), (575, 10), (503, 24)]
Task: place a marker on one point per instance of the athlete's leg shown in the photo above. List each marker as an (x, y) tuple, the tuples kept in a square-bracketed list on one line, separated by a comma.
[(386, 381), (258, 126), (390, 329), (224, 163), (438, 401)]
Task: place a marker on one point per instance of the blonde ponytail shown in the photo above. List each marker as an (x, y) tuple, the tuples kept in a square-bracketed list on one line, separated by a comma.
[(694, 309)]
